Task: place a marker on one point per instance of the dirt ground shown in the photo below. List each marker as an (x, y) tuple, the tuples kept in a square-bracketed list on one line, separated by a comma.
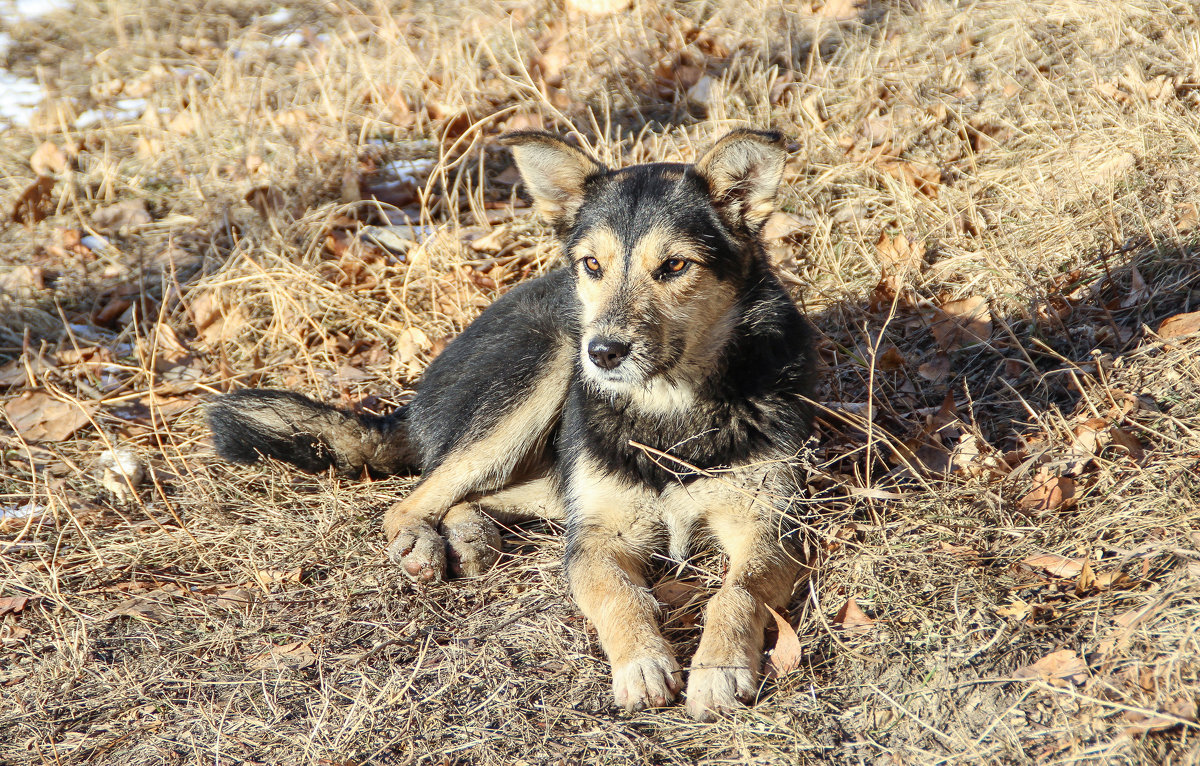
[(991, 214)]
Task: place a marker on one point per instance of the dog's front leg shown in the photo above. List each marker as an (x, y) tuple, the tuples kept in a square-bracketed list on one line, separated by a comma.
[(762, 571), (608, 545), (607, 582)]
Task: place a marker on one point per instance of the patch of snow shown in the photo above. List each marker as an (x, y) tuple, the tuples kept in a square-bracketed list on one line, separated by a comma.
[(278, 16), (32, 9), (21, 511), (410, 171), (126, 109), (290, 40), (19, 97)]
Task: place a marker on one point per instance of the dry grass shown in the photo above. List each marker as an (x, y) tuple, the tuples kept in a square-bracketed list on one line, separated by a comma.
[(1041, 155)]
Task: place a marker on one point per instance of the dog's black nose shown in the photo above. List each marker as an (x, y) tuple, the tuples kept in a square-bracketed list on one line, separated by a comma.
[(607, 354)]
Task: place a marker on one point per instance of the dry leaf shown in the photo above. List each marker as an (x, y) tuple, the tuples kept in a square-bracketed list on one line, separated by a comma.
[(130, 212), (935, 370), (1064, 664), (141, 609), (48, 159), (1018, 610), (34, 203), (1056, 565), (296, 656), (890, 360), (962, 323), (1128, 442), (852, 619), (898, 255), (238, 599), (12, 604), (1050, 493), (787, 654), (39, 417), (1138, 291), (1179, 325), (268, 577), (782, 225), (1181, 711)]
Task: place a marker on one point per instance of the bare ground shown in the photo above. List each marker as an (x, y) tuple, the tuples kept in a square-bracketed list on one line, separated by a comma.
[(992, 209)]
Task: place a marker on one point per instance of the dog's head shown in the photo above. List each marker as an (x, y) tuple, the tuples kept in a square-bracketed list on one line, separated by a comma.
[(661, 253)]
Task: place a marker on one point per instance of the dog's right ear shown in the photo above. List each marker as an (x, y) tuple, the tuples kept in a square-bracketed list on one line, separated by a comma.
[(554, 172)]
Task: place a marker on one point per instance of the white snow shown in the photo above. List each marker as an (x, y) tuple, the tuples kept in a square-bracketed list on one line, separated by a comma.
[(277, 16), (21, 511), (410, 171), (125, 109), (19, 97)]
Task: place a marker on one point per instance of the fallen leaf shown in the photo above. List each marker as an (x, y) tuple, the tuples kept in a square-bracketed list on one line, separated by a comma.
[(962, 323), (1179, 325), (1017, 610), (238, 599), (782, 225), (1181, 711), (268, 577), (140, 609), (1050, 493), (1065, 664), (34, 203), (296, 656), (787, 654), (935, 370), (890, 360), (1055, 565), (48, 159), (39, 417), (898, 255), (1128, 442), (1138, 291), (130, 212), (12, 604), (266, 201), (852, 619)]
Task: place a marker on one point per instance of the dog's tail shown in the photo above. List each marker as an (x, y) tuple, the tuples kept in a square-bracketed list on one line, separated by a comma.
[(254, 423)]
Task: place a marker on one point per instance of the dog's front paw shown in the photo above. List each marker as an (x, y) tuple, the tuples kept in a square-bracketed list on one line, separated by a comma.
[(715, 690), (648, 681), (420, 551), (473, 543)]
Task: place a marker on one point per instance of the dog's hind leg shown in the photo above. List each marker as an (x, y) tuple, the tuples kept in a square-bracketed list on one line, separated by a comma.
[(480, 466)]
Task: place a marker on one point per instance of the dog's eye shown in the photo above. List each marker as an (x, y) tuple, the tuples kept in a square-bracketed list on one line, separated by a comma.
[(673, 266), (591, 264)]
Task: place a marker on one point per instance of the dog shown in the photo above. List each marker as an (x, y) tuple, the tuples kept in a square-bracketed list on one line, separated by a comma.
[(654, 390)]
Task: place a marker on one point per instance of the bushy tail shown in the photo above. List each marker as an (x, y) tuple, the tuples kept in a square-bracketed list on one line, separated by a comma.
[(313, 436)]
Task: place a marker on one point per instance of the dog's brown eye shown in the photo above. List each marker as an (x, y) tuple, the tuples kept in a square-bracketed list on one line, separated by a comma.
[(675, 265), (591, 264)]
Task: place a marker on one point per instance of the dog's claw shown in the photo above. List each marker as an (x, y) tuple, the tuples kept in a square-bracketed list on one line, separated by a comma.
[(649, 681), (715, 691), (420, 551)]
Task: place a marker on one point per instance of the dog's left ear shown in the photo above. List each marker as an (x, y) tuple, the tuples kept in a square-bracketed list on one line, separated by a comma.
[(554, 172), (743, 171)]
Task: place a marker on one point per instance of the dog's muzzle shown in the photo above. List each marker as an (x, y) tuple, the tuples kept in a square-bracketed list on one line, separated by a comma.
[(606, 353)]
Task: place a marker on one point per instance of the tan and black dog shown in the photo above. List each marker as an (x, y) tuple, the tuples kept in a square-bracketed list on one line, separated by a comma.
[(652, 392)]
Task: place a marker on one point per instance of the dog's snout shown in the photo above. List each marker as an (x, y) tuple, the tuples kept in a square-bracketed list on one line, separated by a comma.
[(606, 353)]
